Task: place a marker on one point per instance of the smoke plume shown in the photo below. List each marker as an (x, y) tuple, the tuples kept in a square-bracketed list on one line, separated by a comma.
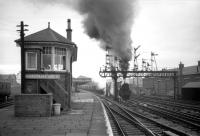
[(110, 22)]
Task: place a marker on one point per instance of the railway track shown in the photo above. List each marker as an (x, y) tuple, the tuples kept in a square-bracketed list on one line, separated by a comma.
[(6, 104), (180, 104), (126, 122), (192, 112), (171, 99), (183, 119)]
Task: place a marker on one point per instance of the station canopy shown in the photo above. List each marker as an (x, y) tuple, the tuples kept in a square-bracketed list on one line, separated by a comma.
[(82, 80)]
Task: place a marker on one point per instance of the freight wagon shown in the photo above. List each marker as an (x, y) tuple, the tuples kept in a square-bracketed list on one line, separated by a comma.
[(5, 91)]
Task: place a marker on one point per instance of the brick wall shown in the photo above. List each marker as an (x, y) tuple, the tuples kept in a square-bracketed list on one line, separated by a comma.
[(33, 105), (159, 86)]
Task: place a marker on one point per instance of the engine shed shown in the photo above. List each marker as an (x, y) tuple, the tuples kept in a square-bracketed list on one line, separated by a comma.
[(48, 64), (191, 91)]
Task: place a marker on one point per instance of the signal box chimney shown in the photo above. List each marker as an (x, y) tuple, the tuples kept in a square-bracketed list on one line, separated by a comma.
[(69, 30)]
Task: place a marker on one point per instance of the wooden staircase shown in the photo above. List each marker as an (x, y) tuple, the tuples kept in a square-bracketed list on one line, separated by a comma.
[(59, 93)]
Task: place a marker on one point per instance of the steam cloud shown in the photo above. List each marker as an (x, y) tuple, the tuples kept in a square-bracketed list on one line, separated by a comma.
[(108, 21)]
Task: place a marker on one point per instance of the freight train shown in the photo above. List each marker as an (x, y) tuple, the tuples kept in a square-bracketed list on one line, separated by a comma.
[(5, 91)]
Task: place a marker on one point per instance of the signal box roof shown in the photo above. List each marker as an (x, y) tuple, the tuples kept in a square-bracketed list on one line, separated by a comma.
[(46, 35)]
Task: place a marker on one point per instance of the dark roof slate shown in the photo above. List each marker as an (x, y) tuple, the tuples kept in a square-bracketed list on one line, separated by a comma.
[(45, 35)]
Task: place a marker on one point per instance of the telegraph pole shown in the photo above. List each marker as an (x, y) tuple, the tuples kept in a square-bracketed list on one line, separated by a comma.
[(22, 55)]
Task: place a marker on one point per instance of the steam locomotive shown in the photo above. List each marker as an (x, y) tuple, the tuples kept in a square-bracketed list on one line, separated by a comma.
[(124, 90)]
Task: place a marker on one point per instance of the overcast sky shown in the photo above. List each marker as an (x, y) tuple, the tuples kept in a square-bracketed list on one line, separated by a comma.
[(170, 28)]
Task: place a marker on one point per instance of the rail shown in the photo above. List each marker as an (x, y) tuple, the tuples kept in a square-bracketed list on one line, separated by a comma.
[(169, 114), (6, 104), (171, 102), (116, 122), (151, 127)]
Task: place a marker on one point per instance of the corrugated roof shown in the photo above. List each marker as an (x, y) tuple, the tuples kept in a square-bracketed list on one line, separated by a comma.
[(82, 76), (46, 35), (192, 85)]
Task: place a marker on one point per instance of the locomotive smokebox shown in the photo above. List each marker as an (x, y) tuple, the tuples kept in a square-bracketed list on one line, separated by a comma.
[(125, 91)]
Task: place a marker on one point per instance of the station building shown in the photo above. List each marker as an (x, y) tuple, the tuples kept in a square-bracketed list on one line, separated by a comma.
[(48, 63)]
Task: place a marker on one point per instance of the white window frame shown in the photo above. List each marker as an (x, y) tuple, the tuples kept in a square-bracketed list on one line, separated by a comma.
[(27, 60), (51, 69), (60, 55), (53, 55)]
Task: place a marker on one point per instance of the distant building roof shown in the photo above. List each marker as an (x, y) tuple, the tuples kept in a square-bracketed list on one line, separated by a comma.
[(190, 70), (82, 79), (8, 78), (192, 85), (46, 35)]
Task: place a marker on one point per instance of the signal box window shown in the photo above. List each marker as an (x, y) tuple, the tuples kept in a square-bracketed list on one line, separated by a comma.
[(31, 61), (60, 59), (47, 58)]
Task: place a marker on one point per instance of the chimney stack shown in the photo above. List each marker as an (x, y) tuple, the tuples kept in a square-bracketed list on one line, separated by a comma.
[(48, 24), (69, 30), (181, 65)]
